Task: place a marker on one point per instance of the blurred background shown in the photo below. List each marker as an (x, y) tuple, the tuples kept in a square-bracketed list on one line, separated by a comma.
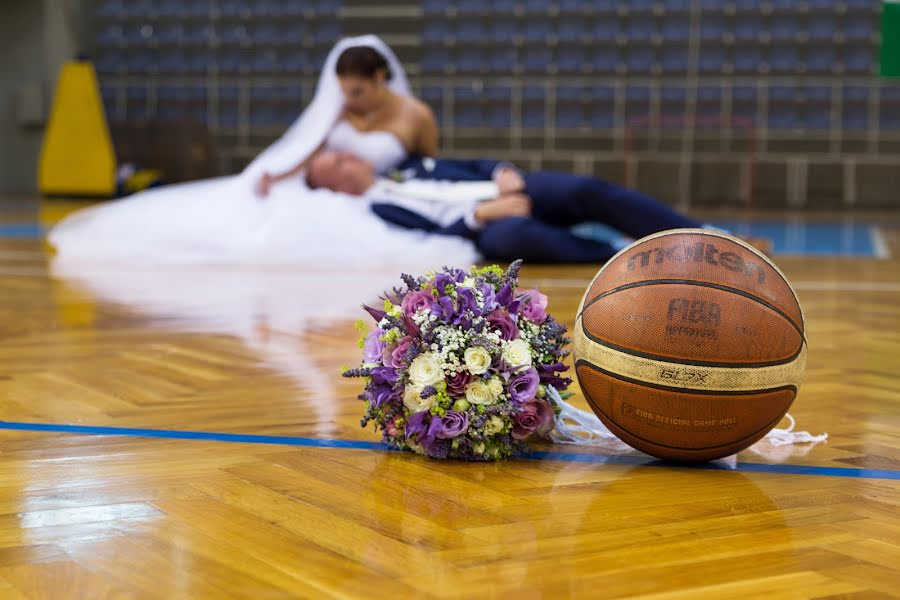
[(700, 102)]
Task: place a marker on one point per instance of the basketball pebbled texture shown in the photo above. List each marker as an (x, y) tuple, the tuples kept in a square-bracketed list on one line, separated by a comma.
[(690, 345)]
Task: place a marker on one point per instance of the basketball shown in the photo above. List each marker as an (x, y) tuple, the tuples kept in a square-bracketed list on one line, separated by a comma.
[(690, 345)]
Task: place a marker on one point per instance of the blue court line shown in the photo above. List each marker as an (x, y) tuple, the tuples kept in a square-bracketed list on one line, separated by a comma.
[(360, 445), (26, 231)]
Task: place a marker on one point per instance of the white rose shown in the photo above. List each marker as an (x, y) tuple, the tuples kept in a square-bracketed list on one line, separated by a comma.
[(413, 400), (478, 448), (517, 353), (477, 360), (496, 386), (493, 425), (425, 370), (478, 392)]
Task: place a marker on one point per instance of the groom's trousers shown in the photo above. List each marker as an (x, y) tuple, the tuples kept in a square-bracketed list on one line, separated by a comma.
[(560, 201)]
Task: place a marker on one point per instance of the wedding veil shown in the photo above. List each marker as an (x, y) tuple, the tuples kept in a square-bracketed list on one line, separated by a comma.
[(312, 126)]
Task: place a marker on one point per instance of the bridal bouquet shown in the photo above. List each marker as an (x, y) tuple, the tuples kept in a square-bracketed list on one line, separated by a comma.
[(459, 364)]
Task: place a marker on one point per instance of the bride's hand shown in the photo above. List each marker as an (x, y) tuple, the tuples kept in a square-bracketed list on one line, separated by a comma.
[(264, 185)]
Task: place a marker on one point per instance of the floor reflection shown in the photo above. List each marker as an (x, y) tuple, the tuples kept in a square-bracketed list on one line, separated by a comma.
[(270, 310)]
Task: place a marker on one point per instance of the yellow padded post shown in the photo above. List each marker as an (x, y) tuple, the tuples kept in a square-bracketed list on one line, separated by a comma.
[(77, 156)]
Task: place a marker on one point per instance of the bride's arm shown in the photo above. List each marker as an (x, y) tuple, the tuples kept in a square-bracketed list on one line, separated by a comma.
[(427, 132), (267, 180)]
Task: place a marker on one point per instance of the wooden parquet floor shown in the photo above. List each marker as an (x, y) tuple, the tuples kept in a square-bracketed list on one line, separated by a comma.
[(111, 513)]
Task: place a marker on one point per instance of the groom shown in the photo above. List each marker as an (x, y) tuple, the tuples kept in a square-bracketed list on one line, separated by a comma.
[(506, 213)]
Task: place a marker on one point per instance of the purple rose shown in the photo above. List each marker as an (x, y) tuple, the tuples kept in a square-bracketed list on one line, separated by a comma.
[(380, 395), (549, 376), (417, 425), (413, 302), (534, 306), (502, 321), (394, 355), (523, 386), (385, 375), (453, 424), (457, 384), (534, 417), (373, 346), (490, 298)]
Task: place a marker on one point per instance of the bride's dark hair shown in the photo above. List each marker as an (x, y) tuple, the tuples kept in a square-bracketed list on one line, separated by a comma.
[(362, 61)]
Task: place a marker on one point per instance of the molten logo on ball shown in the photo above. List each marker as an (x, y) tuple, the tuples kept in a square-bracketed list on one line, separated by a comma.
[(699, 253)]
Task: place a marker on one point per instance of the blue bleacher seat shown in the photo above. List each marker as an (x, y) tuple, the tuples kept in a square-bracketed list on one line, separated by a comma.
[(571, 30), (537, 59), (537, 6), (743, 102), (470, 59), (709, 100), (783, 27), (435, 60), (675, 60), (201, 8), (713, 5), (641, 5), (818, 107), (172, 61), (821, 27), (568, 7), (533, 108), (499, 113), (571, 59), (504, 30), (639, 59), (603, 115), (604, 6), (746, 5), (858, 27), (673, 100), (817, 5), (200, 61), (111, 35), (747, 59), (468, 32), (537, 30), (327, 7), (782, 117), (263, 32), (229, 61), (292, 33), (605, 29), (712, 59), (467, 107), (326, 32), (140, 61), (503, 7), (434, 7), (202, 34), (820, 58), (109, 8), (503, 59), (747, 28), (605, 58), (859, 60), (712, 27), (676, 5), (855, 117), (783, 59), (640, 29), (890, 109), (470, 7), (637, 101), (435, 32), (234, 34), (265, 60), (676, 29)]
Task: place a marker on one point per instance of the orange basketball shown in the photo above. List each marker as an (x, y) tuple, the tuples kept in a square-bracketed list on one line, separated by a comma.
[(690, 345)]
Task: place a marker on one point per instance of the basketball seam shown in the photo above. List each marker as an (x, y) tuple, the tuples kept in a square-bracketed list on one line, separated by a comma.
[(693, 363), (716, 286), (668, 388), (768, 426)]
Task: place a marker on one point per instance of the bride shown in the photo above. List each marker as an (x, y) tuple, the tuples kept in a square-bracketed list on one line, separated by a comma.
[(362, 104)]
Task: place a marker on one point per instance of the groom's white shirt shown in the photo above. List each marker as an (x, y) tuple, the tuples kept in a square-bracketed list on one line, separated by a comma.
[(442, 202)]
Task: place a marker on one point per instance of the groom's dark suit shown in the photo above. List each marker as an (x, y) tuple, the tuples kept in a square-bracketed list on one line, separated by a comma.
[(559, 201)]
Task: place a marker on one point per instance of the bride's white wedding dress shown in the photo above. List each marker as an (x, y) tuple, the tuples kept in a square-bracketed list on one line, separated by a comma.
[(223, 221)]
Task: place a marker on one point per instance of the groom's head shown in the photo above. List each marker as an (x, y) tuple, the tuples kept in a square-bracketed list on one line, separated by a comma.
[(340, 172)]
